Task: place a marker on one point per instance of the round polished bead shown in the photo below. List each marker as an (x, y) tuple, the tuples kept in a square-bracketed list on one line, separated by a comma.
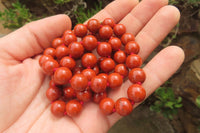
[(73, 108), (69, 38), (53, 93), (58, 108), (137, 75), (62, 75), (122, 70), (133, 61), (69, 93), (89, 60), (132, 47), (123, 106), (109, 21), (104, 75), (136, 93), (50, 51), (84, 96), (61, 51), (120, 57), (79, 82), (67, 32), (68, 62), (119, 29), (80, 30), (96, 69), (105, 32), (49, 66), (44, 58), (127, 37), (107, 65), (93, 25), (98, 84), (52, 83), (76, 50), (115, 80), (107, 106), (89, 73), (77, 70), (104, 49), (97, 97), (89, 42), (115, 43), (57, 42)]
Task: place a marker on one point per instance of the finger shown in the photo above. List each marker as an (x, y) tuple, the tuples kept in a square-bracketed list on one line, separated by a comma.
[(158, 70), (32, 38)]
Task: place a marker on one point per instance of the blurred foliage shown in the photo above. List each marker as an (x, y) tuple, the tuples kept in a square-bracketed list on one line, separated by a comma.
[(198, 101), (60, 2), (194, 3)]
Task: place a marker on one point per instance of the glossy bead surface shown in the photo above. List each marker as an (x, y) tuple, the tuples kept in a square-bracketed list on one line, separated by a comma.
[(132, 47), (107, 65), (76, 50), (93, 25), (68, 62), (122, 70), (58, 108), (104, 75), (137, 75), (79, 82), (109, 21), (136, 93), (127, 37), (98, 84), (73, 108), (105, 32), (49, 51), (44, 58), (84, 96), (120, 57), (115, 80), (49, 66), (89, 42), (69, 93), (53, 93), (62, 75), (96, 69), (104, 49), (89, 73), (97, 97), (115, 43), (123, 106), (57, 42), (107, 106), (88, 60), (61, 51), (80, 30), (119, 29), (67, 32), (69, 38), (133, 61), (77, 70)]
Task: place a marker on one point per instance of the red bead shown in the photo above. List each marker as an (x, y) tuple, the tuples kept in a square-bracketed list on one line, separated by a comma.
[(133, 61), (67, 32), (104, 75), (52, 83), (68, 62), (120, 57), (58, 108), (105, 32), (97, 97), (98, 84), (80, 30), (79, 82), (109, 21), (89, 42), (84, 96), (132, 47), (61, 51), (107, 105), (76, 49), (119, 29), (57, 42), (115, 43), (49, 66), (62, 75), (96, 69), (136, 93), (137, 75), (93, 25), (122, 70), (123, 106), (73, 108), (53, 93), (115, 80), (89, 73), (127, 37), (77, 70), (107, 65), (69, 38), (69, 93), (44, 58), (49, 51), (89, 60), (104, 49)]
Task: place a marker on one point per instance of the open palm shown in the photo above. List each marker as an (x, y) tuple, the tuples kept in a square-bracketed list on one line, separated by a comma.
[(23, 104)]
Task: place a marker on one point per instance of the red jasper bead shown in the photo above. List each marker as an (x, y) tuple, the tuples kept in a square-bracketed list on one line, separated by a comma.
[(97, 97), (120, 57), (115, 80), (96, 69), (84, 96), (68, 62), (53, 93), (122, 70), (123, 106), (107, 65), (104, 49), (57, 42), (76, 49), (73, 108), (107, 106), (44, 58), (89, 73), (104, 75), (132, 47), (69, 38), (127, 37), (119, 29), (69, 92), (109, 21), (98, 84), (136, 93), (77, 70), (105, 32), (67, 32), (80, 30), (52, 83), (89, 42), (49, 51), (61, 51), (133, 61), (58, 108), (49, 66), (79, 82), (89, 60), (62, 75), (93, 25), (137, 75), (115, 43)]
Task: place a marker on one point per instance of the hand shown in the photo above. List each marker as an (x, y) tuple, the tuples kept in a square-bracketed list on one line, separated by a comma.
[(24, 106)]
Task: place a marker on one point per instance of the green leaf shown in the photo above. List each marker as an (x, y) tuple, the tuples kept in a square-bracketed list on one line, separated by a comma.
[(178, 105), (198, 101)]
